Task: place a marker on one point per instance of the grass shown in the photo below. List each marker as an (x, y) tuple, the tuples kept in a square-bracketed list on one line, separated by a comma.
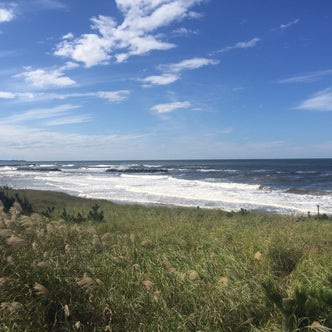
[(161, 269)]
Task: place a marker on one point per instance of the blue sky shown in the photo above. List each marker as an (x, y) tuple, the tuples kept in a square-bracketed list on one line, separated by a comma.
[(165, 79)]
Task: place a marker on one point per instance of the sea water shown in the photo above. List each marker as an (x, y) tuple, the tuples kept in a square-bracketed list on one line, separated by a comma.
[(290, 186)]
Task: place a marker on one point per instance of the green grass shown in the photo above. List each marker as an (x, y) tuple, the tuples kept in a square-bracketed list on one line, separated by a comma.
[(161, 269)]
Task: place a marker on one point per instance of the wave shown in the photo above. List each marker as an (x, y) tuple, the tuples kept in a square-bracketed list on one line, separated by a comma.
[(186, 187), (8, 168), (39, 169), (301, 191), (137, 170)]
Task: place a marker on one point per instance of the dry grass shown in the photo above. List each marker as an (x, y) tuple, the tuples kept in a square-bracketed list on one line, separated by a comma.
[(158, 269)]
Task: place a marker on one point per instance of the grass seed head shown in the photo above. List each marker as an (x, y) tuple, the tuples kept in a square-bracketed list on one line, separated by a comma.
[(42, 265), (147, 284), (16, 242), (132, 238), (11, 224), (136, 267), (224, 281), (68, 249), (89, 283), (183, 276), (193, 275), (258, 256), (6, 232), (17, 206), (92, 231), (155, 296), (172, 270), (35, 217), (11, 261), (4, 281), (106, 237), (40, 289), (77, 325), (11, 307), (14, 211), (317, 327), (26, 222), (146, 244), (51, 228), (66, 310)]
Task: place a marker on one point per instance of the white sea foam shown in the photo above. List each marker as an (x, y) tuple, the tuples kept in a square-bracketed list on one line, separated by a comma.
[(160, 189), (94, 182), (7, 168)]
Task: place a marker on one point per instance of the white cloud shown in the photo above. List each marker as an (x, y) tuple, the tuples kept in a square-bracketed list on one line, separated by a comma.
[(6, 15), (114, 96), (69, 35), (308, 77), (185, 32), (13, 95), (136, 35), (189, 64), (39, 144), (289, 24), (90, 49), (41, 78), (321, 101), (170, 107), (7, 95), (241, 45), (67, 120), (50, 4), (163, 79), (38, 114), (172, 71)]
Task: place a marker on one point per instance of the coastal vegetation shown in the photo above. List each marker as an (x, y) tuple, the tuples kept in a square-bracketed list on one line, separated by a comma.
[(74, 264)]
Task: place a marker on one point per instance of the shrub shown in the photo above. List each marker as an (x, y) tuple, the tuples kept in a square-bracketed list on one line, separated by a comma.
[(95, 215)]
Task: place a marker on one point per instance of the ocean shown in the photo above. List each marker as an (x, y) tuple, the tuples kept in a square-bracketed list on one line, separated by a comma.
[(291, 186)]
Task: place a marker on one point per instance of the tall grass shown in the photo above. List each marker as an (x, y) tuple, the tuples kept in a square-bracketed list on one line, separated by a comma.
[(162, 269)]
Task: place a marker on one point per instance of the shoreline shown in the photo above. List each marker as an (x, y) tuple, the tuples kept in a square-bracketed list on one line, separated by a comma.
[(40, 198), (286, 188)]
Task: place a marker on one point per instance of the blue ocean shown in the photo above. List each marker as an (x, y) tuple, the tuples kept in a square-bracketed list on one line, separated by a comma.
[(290, 186)]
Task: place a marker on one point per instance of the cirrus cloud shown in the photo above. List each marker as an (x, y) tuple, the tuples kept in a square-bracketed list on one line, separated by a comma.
[(240, 45), (321, 101)]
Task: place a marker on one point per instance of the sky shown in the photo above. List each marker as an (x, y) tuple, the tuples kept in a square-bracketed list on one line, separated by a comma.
[(165, 79)]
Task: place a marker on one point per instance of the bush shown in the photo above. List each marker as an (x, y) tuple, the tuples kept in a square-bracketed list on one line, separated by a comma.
[(95, 215), (8, 197)]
